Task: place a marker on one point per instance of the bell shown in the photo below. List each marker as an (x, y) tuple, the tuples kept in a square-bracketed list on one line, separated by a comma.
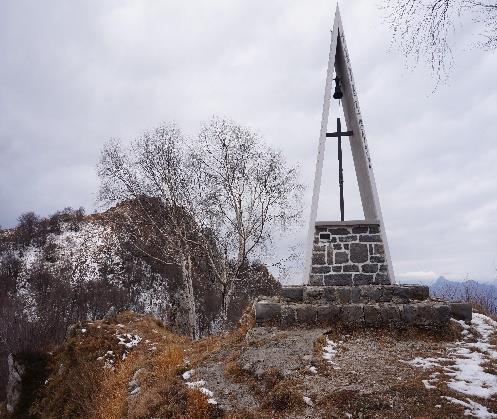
[(338, 94)]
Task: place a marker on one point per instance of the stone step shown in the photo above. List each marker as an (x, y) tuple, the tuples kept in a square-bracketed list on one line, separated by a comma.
[(426, 314), (352, 294)]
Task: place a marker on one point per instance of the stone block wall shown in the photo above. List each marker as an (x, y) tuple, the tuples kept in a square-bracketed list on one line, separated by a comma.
[(348, 254)]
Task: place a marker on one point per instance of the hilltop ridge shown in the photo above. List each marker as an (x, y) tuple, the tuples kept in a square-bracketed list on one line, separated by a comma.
[(131, 366)]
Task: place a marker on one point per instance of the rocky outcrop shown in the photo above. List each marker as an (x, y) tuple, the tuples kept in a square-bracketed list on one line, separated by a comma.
[(14, 383)]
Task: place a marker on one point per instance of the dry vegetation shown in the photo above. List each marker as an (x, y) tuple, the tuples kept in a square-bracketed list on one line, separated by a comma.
[(80, 385), (369, 378)]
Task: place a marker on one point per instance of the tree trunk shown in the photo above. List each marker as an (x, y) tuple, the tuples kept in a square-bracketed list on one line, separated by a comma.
[(186, 270), (227, 290)]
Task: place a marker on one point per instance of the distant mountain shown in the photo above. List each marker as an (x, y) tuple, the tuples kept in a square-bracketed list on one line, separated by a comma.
[(479, 293)]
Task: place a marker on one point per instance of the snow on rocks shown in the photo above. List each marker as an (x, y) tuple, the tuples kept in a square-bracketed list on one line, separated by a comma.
[(92, 252), (199, 385), (128, 340), (108, 359), (134, 384), (464, 365), (188, 374), (329, 351)]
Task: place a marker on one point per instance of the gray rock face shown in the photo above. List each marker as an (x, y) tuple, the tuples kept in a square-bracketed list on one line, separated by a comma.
[(14, 383)]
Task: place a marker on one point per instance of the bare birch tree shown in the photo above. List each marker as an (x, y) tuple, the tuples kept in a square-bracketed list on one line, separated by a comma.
[(153, 175), (423, 27), (249, 191), (222, 195)]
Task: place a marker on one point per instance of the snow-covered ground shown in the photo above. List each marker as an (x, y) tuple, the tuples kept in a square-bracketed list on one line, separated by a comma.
[(463, 367)]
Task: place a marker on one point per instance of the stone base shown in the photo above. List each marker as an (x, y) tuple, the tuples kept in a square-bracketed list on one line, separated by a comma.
[(348, 253), (350, 294), (365, 306)]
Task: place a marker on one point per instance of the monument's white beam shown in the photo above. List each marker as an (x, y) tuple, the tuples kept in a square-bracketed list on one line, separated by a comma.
[(321, 147), (339, 61)]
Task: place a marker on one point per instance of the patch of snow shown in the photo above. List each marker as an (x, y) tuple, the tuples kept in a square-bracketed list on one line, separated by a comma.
[(199, 385), (428, 384), (196, 384), (188, 374), (313, 369), (308, 401), (472, 408), (128, 340), (83, 330), (330, 351), (426, 363), (206, 391), (464, 363), (108, 359)]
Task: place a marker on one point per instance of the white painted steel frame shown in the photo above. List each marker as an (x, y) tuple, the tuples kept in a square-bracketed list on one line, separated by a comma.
[(339, 61)]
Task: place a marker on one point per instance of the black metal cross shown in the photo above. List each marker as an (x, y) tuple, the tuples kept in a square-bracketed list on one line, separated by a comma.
[(339, 135)]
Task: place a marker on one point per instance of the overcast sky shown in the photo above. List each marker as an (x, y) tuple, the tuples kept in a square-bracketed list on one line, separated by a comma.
[(75, 74)]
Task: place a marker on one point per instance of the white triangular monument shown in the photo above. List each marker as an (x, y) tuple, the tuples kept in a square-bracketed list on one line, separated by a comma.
[(347, 252)]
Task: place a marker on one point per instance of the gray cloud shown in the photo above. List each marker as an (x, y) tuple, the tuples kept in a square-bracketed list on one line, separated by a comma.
[(75, 74)]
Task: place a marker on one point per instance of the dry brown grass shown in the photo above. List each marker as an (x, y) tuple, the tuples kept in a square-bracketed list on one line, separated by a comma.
[(234, 371), (319, 345), (198, 406), (493, 339), (284, 397), (245, 414), (81, 387), (110, 401), (409, 399)]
